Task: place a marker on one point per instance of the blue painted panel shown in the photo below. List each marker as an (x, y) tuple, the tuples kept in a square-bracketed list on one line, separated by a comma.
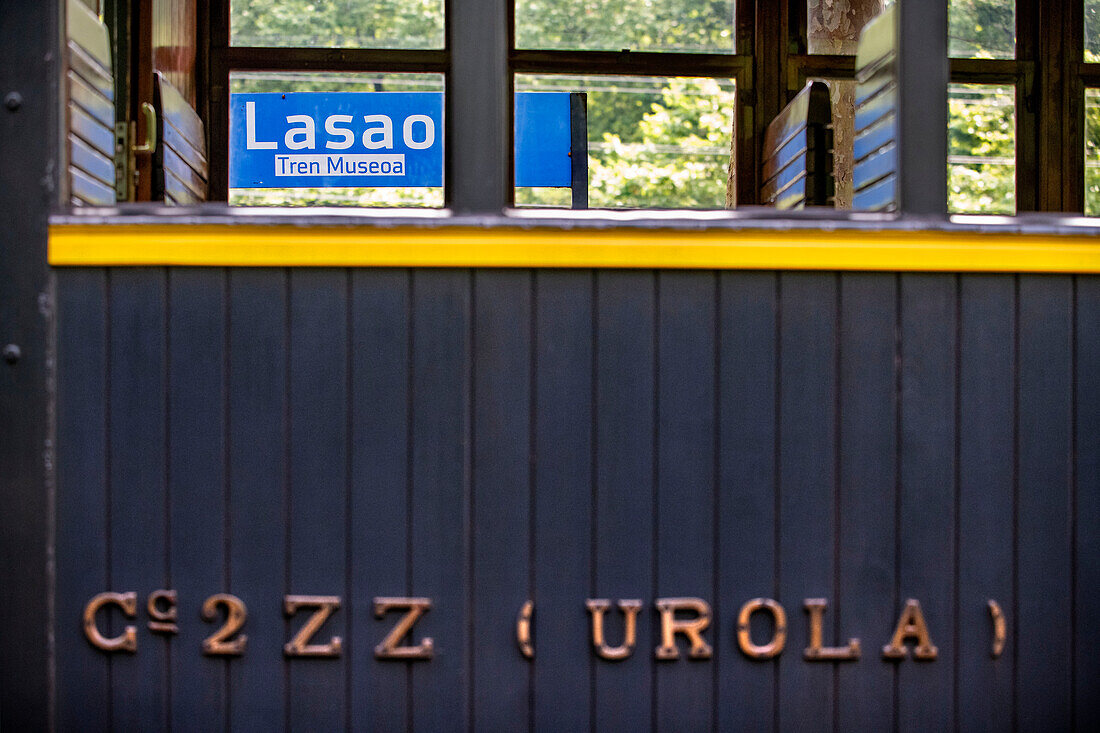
[(542, 139)]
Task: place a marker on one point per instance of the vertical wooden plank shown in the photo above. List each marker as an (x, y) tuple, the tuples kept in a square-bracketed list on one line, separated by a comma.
[(1087, 519), (501, 495), (868, 429), (625, 383), (318, 485), (83, 682), (137, 478), (196, 487), (685, 484), (807, 444), (987, 379), (747, 494), (563, 519), (1044, 584), (379, 502), (258, 361), (441, 493), (927, 499)]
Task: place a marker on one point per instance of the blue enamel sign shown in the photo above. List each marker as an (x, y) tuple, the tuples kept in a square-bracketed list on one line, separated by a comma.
[(368, 139), (320, 139)]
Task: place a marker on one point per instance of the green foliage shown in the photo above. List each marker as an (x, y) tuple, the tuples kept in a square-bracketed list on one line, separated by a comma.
[(338, 23), (983, 29), (1092, 152), (981, 150), (638, 25), (681, 158)]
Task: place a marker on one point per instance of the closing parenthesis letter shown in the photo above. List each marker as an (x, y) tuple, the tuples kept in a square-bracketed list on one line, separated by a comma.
[(127, 641), (523, 630)]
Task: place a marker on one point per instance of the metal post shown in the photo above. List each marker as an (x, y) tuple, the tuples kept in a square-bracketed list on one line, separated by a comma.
[(578, 148), (29, 133), (478, 107), (922, 101)]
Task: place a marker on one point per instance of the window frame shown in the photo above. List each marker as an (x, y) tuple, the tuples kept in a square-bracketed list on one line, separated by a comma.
[(769, 65)]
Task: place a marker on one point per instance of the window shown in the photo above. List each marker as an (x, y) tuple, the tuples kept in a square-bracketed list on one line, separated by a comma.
[(681, 90)]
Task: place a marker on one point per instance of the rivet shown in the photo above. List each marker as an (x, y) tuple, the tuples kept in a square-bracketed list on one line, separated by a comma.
[(12, 353), (13, 101)]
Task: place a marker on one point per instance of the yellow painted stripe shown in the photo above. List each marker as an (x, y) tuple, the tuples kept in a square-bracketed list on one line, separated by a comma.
[(454, 246)]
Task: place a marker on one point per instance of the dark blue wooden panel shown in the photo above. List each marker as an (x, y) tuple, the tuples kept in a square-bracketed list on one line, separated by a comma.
[(258, 365), (1043, 636), (927, 502), (986, 397), (864, 606), (563, 501), (196, 487), (501, 494), (318, 387), (686, 483), (380, 483), (1087, 472), (83, 683), (139, 521), (747, 539), (441, 493), (625, 522), (807, 484)]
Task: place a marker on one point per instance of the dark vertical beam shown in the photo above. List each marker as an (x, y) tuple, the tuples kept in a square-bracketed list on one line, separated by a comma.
[(922, 102), (28, 117), (765, 93), (867, 465), (501, 495), (478, 108), (1029, 111), (685, 475), (927, 499), (1086, 503), (1072, 111), (259, 340), (578, 148), (747, 535), (216, 114), (563, 509), (1045, 543), (379, 534)]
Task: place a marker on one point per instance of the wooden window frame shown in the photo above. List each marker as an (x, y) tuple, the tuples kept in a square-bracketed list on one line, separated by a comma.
[(769, 66)]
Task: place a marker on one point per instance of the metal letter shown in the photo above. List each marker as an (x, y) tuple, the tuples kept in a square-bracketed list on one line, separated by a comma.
[(389, 648), (815, 651), (744, 639), (630, 608), (299, 646), (235, 614), (164, 621), (127, 642), (693, 629), (523, 630), (998, 628), (910, 626)]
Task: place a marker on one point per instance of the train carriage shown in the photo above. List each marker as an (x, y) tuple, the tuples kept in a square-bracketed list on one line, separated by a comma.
[(826, 458)]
